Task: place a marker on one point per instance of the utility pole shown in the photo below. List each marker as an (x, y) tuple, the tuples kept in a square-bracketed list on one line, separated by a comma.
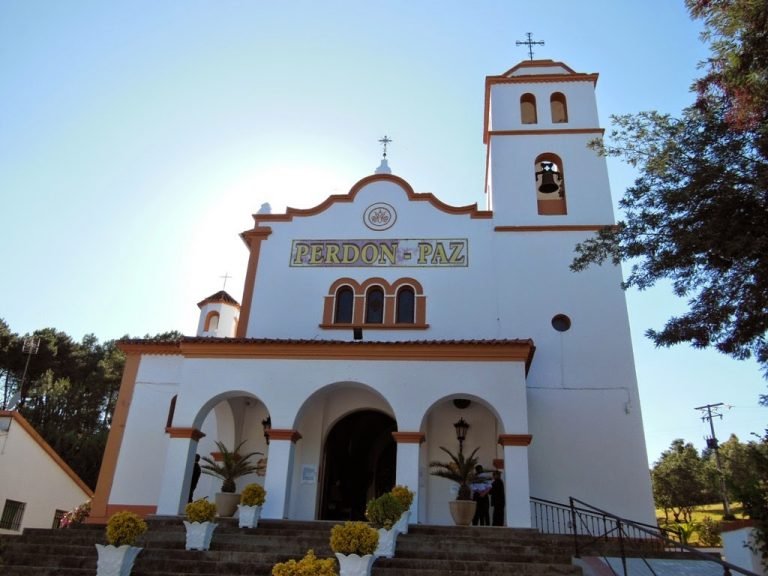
[(709, 413), (31, 346)]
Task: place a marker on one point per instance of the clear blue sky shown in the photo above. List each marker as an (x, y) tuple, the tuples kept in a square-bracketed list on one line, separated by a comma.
[(138, 137)]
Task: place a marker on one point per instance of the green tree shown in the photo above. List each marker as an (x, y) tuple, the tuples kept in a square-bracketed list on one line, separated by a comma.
[(698, 212), (679, 481)]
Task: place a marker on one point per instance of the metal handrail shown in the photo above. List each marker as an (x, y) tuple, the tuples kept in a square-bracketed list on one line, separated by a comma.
[(589, 525)]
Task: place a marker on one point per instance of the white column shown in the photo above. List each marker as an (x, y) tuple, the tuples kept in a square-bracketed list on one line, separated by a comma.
[(277, 482), (517, 487), (177, 477), (408, 466)]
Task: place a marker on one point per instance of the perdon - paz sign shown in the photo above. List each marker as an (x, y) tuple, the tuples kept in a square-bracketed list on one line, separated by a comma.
[(440, 252)]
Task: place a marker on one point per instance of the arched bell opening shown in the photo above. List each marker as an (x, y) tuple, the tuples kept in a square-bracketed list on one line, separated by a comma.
[(550, 185), (359, 464)]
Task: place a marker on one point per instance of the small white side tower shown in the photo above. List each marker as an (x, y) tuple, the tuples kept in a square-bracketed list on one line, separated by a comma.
[(539, 117), (219, 314)]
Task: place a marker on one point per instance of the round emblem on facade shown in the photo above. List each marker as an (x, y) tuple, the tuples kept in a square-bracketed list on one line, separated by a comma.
[(379, 216)]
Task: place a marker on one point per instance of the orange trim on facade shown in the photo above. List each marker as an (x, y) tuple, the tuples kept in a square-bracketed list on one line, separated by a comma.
[(291, 213), (547, 132), (408, 437), (190, 433), (253, 239), (40, 441), (403, 326), (543, 63), (283, 434), (515, 439), (99, 512), (457, 350), (555, 228), (142, 510)]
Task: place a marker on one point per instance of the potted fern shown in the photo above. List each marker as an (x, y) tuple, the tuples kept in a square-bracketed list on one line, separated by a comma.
[(117, 558), (229, 467), (251, 501), (199, 524), (461, 470), (354, 543), (383, 513)]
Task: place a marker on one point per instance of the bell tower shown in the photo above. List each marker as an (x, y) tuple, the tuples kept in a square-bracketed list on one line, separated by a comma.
[(539, 117)]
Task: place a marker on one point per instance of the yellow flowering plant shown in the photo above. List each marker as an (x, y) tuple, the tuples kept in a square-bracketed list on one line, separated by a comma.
[(403, 495), (200, 511), (123, 528), (310, 565), (253, 495), (354, 538)]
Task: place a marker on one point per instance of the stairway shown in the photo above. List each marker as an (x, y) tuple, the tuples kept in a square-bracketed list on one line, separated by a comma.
[(426, 550)]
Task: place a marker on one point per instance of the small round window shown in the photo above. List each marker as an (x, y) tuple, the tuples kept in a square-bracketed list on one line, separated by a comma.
[(561, 323)]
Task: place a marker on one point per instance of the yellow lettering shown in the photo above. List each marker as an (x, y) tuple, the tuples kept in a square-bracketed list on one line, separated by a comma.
[(369, 253), (351, 253), (332, 254), (388, 253), (440, 256), (302, 251), (316, 256), (456, 255), (425, 249)]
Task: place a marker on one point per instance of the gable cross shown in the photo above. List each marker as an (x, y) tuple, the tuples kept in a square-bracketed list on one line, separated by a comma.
[(530, 43)]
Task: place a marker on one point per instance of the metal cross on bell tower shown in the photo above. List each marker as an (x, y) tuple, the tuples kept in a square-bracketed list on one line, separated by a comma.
[(384, 141), (530, 43)]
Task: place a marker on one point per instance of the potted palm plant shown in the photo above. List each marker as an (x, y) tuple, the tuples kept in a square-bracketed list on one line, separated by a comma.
[(231, 466), (461, 470)]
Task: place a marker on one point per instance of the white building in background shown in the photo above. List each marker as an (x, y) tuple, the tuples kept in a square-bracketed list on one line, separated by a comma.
[(36, 485), (373, 322)]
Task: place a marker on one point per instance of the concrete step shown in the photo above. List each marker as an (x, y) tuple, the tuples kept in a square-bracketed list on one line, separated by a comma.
[(464, 551)]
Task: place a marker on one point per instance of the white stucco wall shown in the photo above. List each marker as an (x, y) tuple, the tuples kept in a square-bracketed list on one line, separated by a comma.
[(28, 474)]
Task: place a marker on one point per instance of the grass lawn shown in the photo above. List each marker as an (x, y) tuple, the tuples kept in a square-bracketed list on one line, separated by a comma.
[(714, 511)]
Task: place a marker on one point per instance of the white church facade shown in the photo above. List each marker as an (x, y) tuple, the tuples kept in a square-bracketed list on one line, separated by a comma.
[(372, 323)]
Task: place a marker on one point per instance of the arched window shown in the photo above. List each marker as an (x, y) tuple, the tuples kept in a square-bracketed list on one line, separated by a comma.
[(212, 322), (528, 109), (374, 305), (558, 107), (406, 300), (345, 299), (550, 184)]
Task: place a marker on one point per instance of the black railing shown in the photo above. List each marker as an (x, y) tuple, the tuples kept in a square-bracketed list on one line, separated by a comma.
[(596, 532)]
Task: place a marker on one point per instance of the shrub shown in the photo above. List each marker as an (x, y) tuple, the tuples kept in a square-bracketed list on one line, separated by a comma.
[(354, 538), (124, 528), (200, 511), (76, 516), (310, 565), (384, 511), (709, 532), (403, 495), (253, 495)]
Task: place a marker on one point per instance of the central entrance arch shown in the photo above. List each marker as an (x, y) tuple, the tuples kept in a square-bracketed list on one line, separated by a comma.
[(359, 463)]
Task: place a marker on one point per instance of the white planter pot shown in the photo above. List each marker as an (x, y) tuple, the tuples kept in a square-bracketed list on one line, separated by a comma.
[(354, 565), (402, 524), (387, 539), (249, 516), (115, 560), (199, 534)]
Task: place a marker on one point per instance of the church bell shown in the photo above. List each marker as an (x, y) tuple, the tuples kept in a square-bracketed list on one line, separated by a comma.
[(548, 183)]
